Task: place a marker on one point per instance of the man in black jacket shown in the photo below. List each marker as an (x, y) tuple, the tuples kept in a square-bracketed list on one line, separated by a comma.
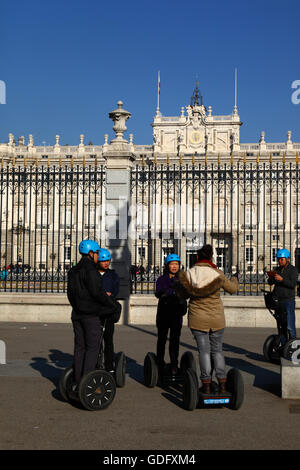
[(89, 302), (285, 279)]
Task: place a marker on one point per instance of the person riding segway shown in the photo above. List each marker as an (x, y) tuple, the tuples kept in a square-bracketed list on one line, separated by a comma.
[(89, 302), (281, 301), (170, 311), (115, 364), (206, 319)]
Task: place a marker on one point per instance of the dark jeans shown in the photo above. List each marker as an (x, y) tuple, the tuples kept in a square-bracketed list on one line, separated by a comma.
[(109, 345), (164, 323), (87, 334), (287, 312)]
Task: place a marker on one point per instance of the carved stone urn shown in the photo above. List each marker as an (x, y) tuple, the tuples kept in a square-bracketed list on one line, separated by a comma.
[(119, 117)]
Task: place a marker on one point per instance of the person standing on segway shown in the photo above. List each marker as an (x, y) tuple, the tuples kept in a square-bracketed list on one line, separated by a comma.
[(206, 318), (170, 311), (284, 279), (110, 284), (89, 302)]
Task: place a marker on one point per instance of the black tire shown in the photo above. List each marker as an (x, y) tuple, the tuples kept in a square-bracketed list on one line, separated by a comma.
[(188, 362), (270, 349), (235, 385), (65, 383), (190, 390), (97, 390), (150, 370), (120, 363), (289, 350)]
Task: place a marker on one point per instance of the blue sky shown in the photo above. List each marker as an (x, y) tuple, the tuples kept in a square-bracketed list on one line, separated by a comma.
[(67, 63)]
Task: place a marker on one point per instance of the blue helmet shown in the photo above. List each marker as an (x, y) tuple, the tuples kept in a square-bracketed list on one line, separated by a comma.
[(104, 255), (283, 253), (88, 245), (172, 257)]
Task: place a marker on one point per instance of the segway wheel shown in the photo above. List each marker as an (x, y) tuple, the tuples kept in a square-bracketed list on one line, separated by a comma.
[(188, 362), (120, 362), (290, 347), (190, 390), (270, 349), (97, 390), (150, 370), (235, 385), (65, 383)]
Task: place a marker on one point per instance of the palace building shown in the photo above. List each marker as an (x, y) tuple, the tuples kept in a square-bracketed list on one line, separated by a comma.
[(196, 183)]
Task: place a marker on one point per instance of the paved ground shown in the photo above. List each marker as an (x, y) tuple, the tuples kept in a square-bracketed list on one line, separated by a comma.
[(34, 416)]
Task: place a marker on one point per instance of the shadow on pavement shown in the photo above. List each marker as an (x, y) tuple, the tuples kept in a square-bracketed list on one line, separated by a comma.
[(264, 378), (53, 367)]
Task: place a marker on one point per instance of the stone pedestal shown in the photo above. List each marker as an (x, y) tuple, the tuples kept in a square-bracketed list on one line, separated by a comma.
[(117, 218), (290, 379)]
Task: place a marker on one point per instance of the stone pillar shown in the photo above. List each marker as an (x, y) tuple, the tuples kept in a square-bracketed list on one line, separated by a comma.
[(119, 161)]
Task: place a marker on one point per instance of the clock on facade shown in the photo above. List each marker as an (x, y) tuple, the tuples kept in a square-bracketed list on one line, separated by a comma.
[(195, 138)]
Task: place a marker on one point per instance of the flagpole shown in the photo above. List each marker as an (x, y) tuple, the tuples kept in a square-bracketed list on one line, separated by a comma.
[(158, 93), (235, 92)]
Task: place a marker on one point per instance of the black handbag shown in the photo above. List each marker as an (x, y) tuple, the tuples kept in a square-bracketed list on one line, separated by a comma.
[(271, 301)]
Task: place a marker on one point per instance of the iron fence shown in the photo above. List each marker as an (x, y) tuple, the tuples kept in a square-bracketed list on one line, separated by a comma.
[(247, 211), (45, 212)]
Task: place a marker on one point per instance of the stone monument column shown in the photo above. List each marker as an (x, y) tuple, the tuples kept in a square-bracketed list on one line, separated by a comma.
[(119, 161)]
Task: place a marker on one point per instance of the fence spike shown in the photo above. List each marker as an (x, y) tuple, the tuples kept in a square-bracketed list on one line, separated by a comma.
[(297, 158), (257, 158), (283, 158), (270, 158)]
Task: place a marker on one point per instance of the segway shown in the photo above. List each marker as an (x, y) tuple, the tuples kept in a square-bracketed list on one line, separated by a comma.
[(152, 374), (97, 388), (193, 397), (273, 349)]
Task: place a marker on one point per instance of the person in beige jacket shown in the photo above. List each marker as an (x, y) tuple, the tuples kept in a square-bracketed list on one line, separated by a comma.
[(202, 284)]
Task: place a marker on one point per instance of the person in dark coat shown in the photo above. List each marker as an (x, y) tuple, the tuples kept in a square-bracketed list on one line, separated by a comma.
[(284, 279), (170, 311), (89, 302), (110, 284)]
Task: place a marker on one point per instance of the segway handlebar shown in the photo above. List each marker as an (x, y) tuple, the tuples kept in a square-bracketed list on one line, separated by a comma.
[(265, 291)]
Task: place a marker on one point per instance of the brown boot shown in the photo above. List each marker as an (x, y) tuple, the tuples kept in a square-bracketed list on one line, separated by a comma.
[(222, 385), (206, 386)]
